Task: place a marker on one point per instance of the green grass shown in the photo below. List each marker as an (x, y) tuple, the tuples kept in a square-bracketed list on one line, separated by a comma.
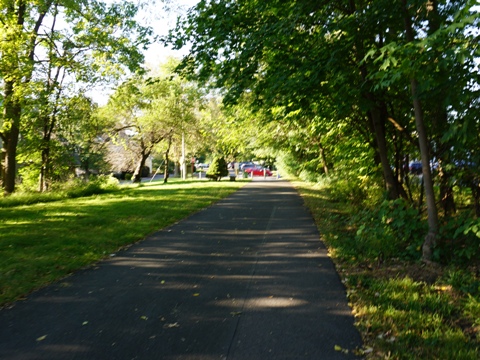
[(403, 309), (43, 239)]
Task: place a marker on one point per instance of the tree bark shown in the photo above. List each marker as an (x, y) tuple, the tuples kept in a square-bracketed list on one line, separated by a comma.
[(43, 182), (11, 114), (324, 158), (393, 187), (167, 160), (430, 239), (137, 175)]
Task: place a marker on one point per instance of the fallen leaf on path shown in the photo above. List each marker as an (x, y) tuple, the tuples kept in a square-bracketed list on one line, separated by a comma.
[(339, 348), (169, 326)]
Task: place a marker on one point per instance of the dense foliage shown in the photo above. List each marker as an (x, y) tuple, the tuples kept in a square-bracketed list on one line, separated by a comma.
[(356, 90), (53, 52)]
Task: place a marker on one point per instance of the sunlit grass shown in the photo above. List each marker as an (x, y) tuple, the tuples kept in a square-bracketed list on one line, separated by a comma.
[(43, 241)]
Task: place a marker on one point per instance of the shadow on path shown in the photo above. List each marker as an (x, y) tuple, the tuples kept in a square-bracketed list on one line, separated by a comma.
[(244, 279)]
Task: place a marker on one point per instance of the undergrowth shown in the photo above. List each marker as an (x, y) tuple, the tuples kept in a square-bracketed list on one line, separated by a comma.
[(404, 308)]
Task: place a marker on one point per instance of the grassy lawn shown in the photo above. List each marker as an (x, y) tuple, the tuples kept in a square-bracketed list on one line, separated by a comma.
[(403, 309), (45, 241)]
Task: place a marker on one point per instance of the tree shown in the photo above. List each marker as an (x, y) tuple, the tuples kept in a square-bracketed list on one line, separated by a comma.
[(436, 78), (153, 109), (85, 134), (405, 71), (218, 168), (291, 56), (101, 39)]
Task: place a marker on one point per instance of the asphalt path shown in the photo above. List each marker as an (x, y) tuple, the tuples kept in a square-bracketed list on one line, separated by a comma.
[(244, 279)]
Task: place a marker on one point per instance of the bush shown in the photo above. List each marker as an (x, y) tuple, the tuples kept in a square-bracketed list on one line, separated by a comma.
[(393, 230), (218, 169), (460, 239), (99, 185)]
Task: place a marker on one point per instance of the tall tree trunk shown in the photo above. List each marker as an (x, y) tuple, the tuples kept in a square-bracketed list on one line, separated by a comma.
[(167, 161), (44, 172), (430, 239), (2, 159), (440, 125), (447, 198), (324, 158), (475, 186), (86, 167), (43, 181), (10, 134), (393, 187)]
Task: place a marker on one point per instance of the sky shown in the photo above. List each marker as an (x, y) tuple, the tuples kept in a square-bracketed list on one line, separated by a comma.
[(161, 21), (161, 24)]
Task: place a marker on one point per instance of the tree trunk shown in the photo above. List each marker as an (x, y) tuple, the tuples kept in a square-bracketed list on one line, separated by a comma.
[(86, 167), (12, 112), (391, 183), (324, 158), (137, 175), (167, 161), (440, 126), (475, 186), (2, 159), (446, 191), (430, 239), (43, 182)]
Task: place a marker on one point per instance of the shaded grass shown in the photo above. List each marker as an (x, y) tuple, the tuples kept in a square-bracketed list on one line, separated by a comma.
[(41, 242), (403, 309)]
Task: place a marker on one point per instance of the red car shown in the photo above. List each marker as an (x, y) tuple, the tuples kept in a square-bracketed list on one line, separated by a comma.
[(258, 171)]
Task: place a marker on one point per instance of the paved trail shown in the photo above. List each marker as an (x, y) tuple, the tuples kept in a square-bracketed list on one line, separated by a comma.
[(245, 279)]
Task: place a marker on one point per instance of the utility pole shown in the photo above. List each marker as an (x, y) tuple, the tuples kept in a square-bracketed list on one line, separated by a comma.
[(184, 162)]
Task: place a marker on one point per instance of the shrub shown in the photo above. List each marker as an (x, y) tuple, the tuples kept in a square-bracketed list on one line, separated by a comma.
[(460, 239), (393, 229), (218, 169), (98, 185)]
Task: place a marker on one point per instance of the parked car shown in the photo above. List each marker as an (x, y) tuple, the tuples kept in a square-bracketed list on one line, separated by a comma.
[(415, 167), (257, 171), (202, 167), (244, 165)]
